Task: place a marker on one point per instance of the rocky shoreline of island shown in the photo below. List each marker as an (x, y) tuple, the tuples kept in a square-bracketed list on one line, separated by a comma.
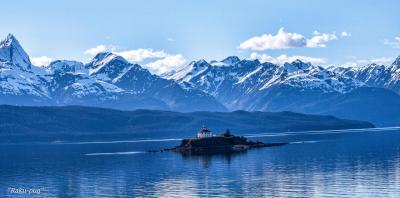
[(206, 143)]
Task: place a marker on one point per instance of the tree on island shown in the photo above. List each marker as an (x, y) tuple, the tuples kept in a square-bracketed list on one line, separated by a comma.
[(227, 133)]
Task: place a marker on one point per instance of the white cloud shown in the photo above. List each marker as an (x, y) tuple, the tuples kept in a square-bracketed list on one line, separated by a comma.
[(285, 40), (136, 55), (345, 34), (282, 40), (169, 63), (285, 58), (161, 61), (139, 55), (95, 50), (41, 61), (395, 43), (320, 40)]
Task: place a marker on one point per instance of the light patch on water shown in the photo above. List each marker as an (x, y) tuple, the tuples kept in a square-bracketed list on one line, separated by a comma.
[(120, 141), (304, 142), (115, 153), (252, 135), (384, 129)]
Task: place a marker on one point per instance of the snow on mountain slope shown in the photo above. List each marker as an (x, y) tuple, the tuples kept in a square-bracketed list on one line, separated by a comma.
[(66, 66), (243, 79), (194, 69), (107, 63), (90, 86), (108, 81), (111, 81), (20, 82), (17, 82), (11, 52), (315, 77), (296, 73), (374, 75), (296, 66)]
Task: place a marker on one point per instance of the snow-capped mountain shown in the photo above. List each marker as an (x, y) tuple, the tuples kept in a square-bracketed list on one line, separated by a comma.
[(298, 86), (375, 75), (234, 82), (17, 77), (11, 52), (107, 81)]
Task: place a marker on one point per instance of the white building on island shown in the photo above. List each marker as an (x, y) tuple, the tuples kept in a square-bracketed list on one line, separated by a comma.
[(204, 132)]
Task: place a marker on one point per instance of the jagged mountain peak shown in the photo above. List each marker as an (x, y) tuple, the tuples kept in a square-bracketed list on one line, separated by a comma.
[(200, 62), (12, 52), (9, 40), (228, 61), (196, 65), (248, 63), (296, 65), (66, 66), (396, 62), (102, 55), (301, 64), (193, 69), (106, 59), (373, 65), (231, 60)]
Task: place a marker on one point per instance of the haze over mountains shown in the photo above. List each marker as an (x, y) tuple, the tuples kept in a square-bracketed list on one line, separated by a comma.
[(369, 93)]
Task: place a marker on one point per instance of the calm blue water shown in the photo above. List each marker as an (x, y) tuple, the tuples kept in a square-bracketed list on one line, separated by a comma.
[(329, 164)]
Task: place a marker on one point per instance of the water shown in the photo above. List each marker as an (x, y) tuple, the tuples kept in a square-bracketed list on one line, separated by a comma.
[(353, 163)]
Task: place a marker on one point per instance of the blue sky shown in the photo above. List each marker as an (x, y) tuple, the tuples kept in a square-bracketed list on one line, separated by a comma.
[(176, 32)]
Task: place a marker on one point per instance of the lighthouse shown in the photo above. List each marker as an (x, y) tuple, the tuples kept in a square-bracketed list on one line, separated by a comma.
[(204, 132)]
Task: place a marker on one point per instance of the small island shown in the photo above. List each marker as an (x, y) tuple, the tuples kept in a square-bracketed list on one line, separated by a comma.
[(207, 143)]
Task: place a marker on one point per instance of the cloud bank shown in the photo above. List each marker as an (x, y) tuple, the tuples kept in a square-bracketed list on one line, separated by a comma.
[(95, 50), (282, 40), (286, 40), (157, 61), (169, 63), (394, 43), (41, 61), (320, 40)]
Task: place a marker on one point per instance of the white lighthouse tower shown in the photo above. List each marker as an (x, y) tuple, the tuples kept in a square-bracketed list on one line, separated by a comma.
[(204, 132)]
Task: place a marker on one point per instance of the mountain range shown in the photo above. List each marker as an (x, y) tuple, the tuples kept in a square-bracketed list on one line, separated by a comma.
[(106, 81), (369, 93)]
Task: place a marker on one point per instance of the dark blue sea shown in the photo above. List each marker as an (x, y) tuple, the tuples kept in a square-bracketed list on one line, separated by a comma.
[(349, 163)]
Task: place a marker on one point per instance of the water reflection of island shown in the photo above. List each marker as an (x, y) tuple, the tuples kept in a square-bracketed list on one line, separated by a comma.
[(206, 160)]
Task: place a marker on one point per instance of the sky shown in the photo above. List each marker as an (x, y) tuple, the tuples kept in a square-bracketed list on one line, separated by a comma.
[(167, 34)]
